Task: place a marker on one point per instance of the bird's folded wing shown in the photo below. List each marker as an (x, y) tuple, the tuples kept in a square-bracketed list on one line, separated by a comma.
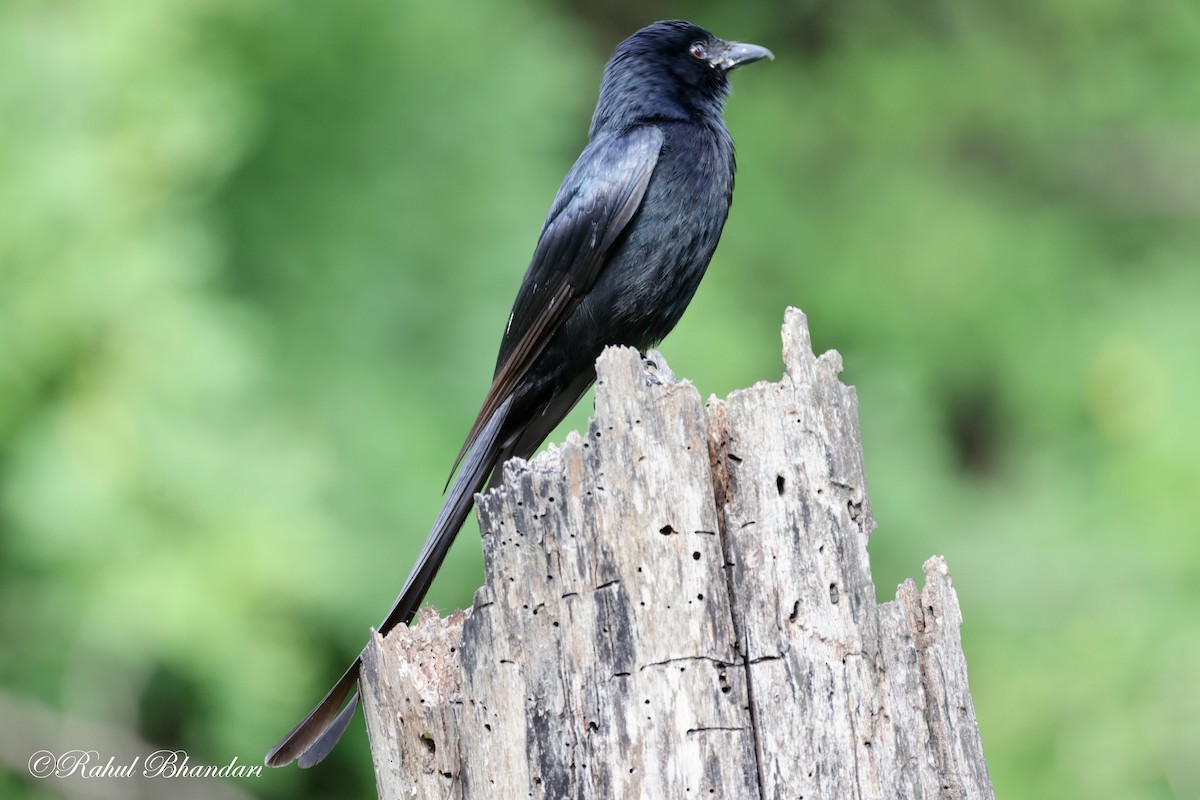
[(594, 206)]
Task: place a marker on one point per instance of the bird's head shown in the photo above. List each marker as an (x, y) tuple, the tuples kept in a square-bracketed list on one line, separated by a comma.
[(671, 70)]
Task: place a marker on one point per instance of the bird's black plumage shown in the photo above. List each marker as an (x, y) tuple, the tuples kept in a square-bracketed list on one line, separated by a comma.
[(624, 247)]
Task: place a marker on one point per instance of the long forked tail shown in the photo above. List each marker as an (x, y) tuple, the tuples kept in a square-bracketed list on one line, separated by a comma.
[(316, 735)]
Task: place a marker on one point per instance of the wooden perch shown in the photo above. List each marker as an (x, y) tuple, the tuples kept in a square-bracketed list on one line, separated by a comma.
[(679, 604)]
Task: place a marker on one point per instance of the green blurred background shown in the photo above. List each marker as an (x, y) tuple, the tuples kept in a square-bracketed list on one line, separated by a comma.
[(255, 258)]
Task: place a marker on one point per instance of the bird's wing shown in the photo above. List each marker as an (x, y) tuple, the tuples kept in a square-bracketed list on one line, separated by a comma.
[(598, 198)]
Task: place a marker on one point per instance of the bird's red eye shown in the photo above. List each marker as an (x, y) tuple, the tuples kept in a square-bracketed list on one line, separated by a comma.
[(697, 50)]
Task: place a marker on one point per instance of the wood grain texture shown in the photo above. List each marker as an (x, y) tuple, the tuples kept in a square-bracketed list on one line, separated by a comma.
[(679, 604)]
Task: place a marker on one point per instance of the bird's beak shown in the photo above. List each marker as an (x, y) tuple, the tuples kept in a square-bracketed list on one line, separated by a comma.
[(734, 54)]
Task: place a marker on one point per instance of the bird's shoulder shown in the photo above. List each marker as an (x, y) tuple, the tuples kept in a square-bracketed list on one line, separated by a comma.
[(609, 165)]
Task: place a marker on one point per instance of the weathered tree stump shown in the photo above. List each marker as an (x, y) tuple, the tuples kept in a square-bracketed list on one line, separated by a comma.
[(679, 604)]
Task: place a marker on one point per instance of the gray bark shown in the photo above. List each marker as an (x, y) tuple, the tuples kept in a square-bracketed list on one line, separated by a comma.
[(679, 604)]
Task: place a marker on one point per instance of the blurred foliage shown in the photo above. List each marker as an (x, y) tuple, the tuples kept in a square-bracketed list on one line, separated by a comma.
[(255, 258)]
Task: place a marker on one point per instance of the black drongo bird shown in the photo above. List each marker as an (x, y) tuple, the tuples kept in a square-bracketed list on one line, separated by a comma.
[(620, 255)]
